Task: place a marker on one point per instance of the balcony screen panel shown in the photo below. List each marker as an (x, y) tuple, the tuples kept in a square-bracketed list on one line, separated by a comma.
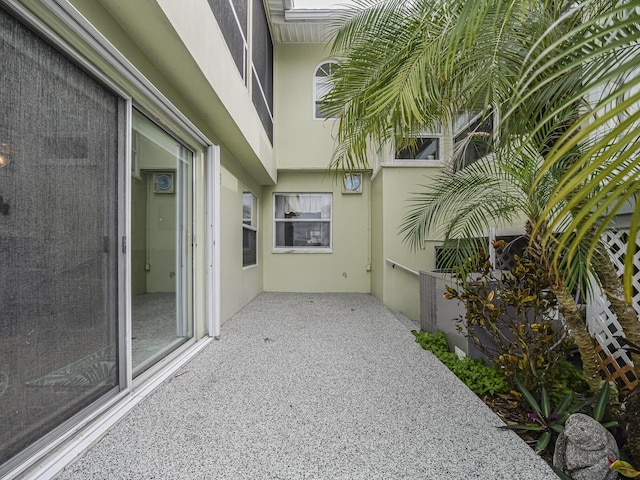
[(262, 55), (58, 239), (242, 9), (223, 12), (263, 109)]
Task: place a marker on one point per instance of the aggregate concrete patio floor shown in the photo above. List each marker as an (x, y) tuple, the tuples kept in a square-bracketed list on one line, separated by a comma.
[(311, 386)]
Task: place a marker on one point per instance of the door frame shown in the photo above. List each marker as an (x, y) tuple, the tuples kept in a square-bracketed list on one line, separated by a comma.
[(212, 239)]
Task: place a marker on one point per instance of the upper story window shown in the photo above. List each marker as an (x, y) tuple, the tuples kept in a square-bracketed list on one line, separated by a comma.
[(302, 221), (322, 84), (472, 137), (249, 229), (426, 147)]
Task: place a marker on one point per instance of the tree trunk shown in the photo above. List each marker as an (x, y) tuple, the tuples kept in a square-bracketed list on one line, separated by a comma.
[(612, 288), (569, 310), (582, 337)]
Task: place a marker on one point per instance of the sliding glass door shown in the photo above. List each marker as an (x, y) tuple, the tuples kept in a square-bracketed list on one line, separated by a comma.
[(59, 245), (161, 248)]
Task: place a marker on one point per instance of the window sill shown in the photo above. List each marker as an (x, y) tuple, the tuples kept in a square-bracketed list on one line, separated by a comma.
[(302, 250), (413, 163), (249, 267)]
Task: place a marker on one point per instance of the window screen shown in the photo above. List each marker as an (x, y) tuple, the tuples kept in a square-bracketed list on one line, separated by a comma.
[(58, 243), (473, 138), (303, 220)]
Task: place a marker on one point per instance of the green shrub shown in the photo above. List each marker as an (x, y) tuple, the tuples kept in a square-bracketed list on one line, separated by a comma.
[(517, 311), (565, 379), (480, 378)]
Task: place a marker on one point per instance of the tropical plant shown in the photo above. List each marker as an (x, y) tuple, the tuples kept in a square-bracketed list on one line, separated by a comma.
[(582, 89), (478, 377), (604, 48), (494, 191), (511, 318), (624, 468), (405, 65), (547, 421), (630, 422)]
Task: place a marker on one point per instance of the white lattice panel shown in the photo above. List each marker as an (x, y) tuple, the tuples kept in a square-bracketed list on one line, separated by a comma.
[(601, 320), (617, 240)]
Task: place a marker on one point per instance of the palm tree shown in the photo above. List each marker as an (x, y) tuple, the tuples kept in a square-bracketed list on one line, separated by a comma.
[(604, 48), (500, 189), (405, 65)]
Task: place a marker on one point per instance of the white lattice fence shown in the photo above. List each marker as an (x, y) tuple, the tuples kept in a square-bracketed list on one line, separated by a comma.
[(602, 321)]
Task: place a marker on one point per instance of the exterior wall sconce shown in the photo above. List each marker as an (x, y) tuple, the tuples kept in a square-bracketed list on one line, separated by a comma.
[(5, 153)]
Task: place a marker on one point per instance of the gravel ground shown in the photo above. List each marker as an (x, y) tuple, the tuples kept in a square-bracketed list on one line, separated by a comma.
[(311, 386)]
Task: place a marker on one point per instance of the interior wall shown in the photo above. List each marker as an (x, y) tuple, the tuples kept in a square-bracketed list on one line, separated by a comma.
[(159, 215), (138, 235)]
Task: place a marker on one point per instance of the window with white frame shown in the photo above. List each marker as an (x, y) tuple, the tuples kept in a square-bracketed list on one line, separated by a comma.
[(426, 146), (322, 84), (472, 137), (302, 221), (249, 229)]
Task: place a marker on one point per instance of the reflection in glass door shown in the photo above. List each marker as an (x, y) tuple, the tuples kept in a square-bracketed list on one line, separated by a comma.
[(161, 254)]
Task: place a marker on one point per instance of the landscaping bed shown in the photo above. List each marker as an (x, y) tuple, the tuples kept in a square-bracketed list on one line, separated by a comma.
[(531, 374)]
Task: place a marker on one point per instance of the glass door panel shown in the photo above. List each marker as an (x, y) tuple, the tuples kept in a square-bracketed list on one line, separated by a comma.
[(161, 252)]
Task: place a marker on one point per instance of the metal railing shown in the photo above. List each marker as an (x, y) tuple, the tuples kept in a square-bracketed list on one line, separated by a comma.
[(402, 267)]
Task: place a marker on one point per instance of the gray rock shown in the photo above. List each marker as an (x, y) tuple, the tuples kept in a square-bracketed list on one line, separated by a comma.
[(582, 450)]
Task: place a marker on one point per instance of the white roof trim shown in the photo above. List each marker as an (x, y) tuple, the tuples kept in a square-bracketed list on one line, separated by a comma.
[(308, 15)]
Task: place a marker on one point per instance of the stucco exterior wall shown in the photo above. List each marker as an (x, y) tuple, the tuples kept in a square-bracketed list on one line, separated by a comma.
[(179, 47), (344, 269), (397, 288), (303, 149), (239, 284), (377, 237), (301, 141)]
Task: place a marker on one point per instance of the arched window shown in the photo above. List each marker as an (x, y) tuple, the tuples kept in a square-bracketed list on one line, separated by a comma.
[(322, 84)]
